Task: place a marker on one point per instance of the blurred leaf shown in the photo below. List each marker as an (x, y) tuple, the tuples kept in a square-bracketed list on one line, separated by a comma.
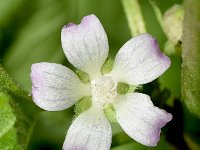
[(39, 39), (50, 130), (171, 78), (191, 129), (12, 17), (8, 8), (134, 16), (164, 5), (120, 139), (191, 56), (18, 114), (131, 144), (192, 145), (157, 11)]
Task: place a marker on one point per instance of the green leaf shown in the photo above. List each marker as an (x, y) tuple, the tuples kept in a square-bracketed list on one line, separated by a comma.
[(9, 140), (18, 114), (171, 78), (191, 128), (126, 142), (39, 39), (7, 119), (7, 10), (134, 16), (164, 5), (191, 56), (50, 130), (157, 11)]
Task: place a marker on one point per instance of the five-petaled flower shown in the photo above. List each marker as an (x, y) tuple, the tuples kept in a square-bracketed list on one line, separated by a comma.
[(139, 61)]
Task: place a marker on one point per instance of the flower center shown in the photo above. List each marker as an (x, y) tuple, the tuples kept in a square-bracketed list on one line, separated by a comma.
[(103, 91)]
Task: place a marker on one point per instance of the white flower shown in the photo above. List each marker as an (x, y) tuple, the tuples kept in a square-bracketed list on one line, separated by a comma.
[(139, 61)]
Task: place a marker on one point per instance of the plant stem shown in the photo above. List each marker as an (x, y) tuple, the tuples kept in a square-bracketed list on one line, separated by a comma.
[(134, 15)]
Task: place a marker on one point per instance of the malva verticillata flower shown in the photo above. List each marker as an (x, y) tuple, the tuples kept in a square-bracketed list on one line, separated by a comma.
[(139, 61)]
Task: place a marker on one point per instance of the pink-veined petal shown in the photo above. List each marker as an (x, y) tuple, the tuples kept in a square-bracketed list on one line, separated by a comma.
[(86, 45), (140, 119), (91, 130), (55, 87), (140, 61)]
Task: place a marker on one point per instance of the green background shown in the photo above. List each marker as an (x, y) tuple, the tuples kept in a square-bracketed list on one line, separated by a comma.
[(30, 33)]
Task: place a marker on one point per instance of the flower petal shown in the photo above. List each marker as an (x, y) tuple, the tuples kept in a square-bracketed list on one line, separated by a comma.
[(91, 130), (55, 87), (140, 61), (86, 45), (140, 119)]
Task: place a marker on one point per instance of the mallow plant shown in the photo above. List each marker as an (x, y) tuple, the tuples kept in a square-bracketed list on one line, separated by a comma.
[(139, 61)]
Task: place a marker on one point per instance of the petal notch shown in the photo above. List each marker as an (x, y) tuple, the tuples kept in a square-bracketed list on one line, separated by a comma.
[(140, 119), (86, 45), (140, 61)]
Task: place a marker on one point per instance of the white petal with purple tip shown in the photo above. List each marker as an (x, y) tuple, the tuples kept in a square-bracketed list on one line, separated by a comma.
[(86, 45), (140, 119), (140, 61), (91, 130), (55, 87)]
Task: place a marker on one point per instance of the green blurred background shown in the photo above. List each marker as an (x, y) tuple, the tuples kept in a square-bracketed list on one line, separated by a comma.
[(30, 33)]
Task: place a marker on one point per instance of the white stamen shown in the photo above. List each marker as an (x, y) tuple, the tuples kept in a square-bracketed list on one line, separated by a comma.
[(103, 91)]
